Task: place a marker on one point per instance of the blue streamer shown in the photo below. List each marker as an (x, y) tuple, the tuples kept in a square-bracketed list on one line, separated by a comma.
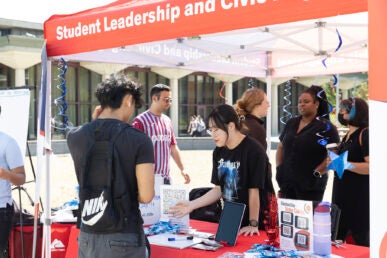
[(323, 62), (335, 80), (324, 140), (60, 120), (251, 84), (340, 40), (287, 100)]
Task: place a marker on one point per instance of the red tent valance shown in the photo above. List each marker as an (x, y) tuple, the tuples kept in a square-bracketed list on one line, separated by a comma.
[(131, 22)]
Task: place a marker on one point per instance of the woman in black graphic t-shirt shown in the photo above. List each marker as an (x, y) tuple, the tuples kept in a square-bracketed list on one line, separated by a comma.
[(239, 171)]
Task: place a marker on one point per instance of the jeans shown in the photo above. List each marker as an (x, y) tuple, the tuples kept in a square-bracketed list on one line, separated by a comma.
[(6, 217)]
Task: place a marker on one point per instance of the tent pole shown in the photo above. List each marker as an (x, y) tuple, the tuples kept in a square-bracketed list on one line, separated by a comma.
[(268, 94), (48, 152), (337, 99)]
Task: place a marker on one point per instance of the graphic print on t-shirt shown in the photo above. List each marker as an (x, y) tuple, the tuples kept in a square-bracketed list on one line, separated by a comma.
[(229, 177)]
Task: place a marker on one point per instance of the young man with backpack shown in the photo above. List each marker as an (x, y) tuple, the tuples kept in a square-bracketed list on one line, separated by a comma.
[(114, 168)]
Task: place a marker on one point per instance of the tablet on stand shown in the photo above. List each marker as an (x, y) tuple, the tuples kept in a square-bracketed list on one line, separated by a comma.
[(230, 222)]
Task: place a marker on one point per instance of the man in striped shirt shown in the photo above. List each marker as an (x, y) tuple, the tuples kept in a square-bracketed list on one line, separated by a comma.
[(158, 127)]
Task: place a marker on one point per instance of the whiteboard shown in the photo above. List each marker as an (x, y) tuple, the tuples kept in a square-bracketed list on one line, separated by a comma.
[(15, 107)]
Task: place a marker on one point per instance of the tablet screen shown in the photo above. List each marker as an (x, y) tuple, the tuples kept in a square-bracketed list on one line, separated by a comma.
[(230, 222)]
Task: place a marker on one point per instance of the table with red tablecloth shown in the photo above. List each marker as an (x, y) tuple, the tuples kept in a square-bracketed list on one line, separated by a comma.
[(243, 244)]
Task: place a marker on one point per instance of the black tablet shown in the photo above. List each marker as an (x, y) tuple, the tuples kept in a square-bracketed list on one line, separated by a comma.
[(230, 222)]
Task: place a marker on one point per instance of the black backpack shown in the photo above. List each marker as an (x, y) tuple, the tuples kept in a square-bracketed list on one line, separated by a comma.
[(209, 213), (104, 199)]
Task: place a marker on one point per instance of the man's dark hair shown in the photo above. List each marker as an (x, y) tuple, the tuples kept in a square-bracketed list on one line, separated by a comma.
[(155, 90), (111, 91)]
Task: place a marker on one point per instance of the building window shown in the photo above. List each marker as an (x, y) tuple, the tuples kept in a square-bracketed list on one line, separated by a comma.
[(288, 100), (198, 95), (32, 75), (7, 76)]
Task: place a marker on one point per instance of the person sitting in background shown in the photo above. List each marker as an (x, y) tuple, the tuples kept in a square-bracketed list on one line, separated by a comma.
[(253, 105), (192, 126), (11, 172), (301, 157), (354, 184), (239, 171), (201, 126)]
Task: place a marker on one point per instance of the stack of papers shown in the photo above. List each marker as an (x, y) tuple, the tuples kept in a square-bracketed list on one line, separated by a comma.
[(173, 240)]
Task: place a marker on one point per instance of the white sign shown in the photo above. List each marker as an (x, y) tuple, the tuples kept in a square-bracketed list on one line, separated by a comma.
[(295, 224), (150, 212), (15, 107)]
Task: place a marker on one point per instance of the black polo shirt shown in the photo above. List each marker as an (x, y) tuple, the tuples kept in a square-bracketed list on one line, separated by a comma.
[(303, 153)]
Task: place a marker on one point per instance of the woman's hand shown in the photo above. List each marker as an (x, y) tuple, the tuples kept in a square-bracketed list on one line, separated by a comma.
[(181, 209), (249, 231)]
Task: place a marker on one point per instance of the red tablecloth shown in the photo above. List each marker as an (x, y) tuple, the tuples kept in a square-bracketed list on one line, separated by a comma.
[(243, 244)]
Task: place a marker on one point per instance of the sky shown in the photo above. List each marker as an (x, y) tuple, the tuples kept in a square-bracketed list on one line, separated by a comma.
[(41, 10)]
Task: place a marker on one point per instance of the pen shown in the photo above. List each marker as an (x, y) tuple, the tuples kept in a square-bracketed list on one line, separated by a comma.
[(180, 238)]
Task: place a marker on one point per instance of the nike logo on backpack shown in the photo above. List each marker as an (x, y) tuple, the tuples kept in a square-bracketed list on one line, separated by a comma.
[(95, 208)]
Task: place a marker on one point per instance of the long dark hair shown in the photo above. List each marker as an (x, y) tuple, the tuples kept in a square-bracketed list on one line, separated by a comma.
[(358, 112)]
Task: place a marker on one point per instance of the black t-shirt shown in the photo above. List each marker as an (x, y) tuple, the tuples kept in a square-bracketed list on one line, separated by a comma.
[(239, 169), (351, 193), (133, 147), (302, 153)]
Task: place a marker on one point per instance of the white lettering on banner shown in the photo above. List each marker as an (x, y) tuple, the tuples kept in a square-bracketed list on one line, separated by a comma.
[(167, 14), (200, 8), (193, 54), (150, 49), (63, 32), (228, 4), (160, 14), (171, 51)]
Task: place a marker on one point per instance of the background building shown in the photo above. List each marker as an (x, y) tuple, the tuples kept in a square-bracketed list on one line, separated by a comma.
[(194, 93)]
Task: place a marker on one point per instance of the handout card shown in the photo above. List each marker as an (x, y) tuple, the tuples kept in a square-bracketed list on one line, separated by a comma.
[(170, 195)]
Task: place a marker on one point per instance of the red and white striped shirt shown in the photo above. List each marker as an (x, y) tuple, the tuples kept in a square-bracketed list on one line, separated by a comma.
[(159, 129)]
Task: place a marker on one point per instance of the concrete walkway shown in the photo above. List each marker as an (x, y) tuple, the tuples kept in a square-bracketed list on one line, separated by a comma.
[(198, 163)]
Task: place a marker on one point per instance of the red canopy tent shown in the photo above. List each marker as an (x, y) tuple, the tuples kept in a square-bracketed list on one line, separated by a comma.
[(123, 23), (244, 38), (131, 22)]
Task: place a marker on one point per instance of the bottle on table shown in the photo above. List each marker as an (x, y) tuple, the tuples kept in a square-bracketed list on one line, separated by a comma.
[(322, 229)]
